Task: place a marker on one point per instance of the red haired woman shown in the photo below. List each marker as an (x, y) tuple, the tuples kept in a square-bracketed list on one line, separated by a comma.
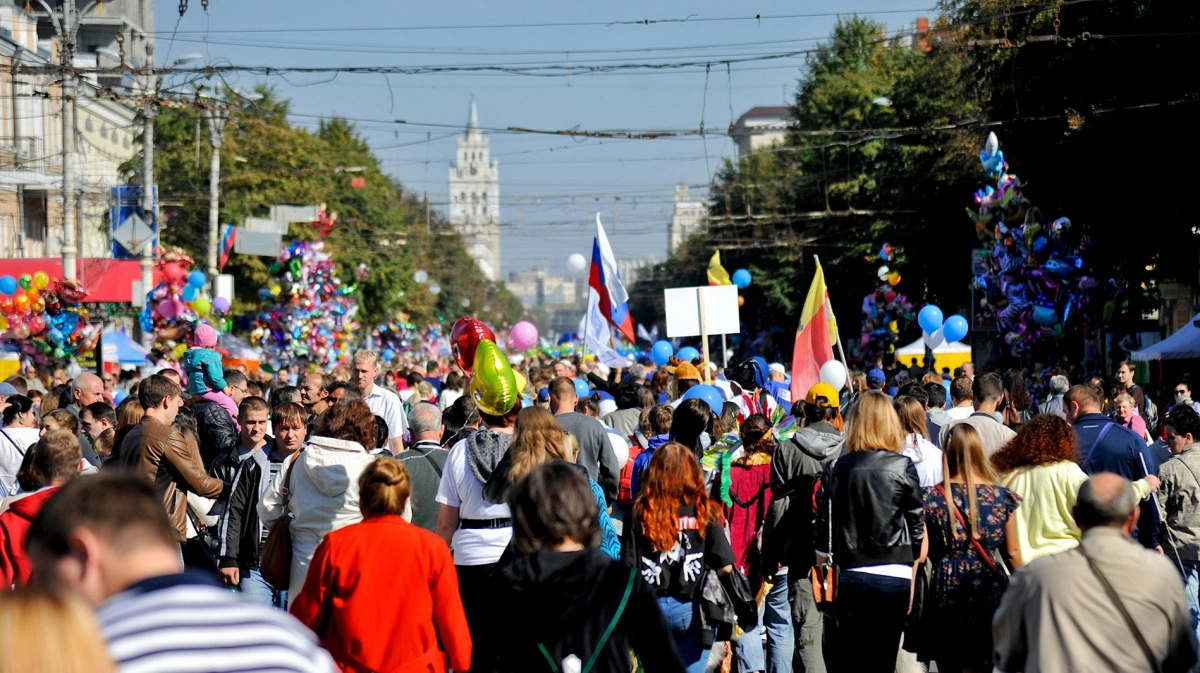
[(674, 532)]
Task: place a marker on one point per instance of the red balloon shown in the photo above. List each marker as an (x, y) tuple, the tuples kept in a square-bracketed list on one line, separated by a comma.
[(464, 339)]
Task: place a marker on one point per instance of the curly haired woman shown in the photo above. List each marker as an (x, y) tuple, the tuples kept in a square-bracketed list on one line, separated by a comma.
[(675, 530), (1039, 465)]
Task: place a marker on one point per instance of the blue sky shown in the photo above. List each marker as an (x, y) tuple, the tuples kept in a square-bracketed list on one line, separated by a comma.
[(562, 182)]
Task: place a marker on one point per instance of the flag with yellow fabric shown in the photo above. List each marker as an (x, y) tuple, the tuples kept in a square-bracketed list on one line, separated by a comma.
[(814, 337), (717, 275)]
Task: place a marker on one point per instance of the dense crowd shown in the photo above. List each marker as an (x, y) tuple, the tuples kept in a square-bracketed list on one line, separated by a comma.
[(379, 518)]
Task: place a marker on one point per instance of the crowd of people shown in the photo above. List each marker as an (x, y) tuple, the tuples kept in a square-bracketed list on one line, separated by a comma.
[(379, 519)]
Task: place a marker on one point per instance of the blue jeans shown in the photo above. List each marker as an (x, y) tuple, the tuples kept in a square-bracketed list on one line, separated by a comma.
[(256, 589), (869, 618), (685, 625), (775, 616), (1191, 585)]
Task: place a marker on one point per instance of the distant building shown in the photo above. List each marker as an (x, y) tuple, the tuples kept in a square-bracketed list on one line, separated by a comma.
[(761, 127), (538, 288), (475, 198), (688, 219), (631, 269)]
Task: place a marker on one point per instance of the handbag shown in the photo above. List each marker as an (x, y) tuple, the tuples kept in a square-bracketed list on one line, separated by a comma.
[(824, 576), (916, 626), (996, 565), (275, 563), (742, 598)]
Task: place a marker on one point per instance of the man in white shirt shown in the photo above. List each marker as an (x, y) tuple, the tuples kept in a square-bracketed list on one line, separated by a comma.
[(961, 399), (382, 402)]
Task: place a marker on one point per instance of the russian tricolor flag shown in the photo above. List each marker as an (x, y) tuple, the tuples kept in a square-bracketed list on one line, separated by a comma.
[(604, 279)]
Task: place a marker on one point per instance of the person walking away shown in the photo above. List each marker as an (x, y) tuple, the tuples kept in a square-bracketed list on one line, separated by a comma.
[(658, 420), (1179, 501), (1105, 446), (425, 460), (567, 598), (676, 531), (1039, 466), (960, 399), (595, 451), (744, 488), (412, 617), (788, 529), (987, 392), (870, 504), (322, 485), (968, 523), (1059, 385), (924, 455), (107, 539), (1094, 607), (55, 462), (241, 532)]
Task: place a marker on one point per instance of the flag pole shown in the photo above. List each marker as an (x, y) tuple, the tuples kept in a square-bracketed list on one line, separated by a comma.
[(587, 314), (841, 349)]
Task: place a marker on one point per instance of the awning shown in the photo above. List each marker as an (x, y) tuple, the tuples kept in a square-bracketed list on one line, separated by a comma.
[(105, 279), (1182, 345), (118, 347)]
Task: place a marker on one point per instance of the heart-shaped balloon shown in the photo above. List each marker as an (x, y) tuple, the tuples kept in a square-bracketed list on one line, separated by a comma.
[(494, 384), (465, 338)]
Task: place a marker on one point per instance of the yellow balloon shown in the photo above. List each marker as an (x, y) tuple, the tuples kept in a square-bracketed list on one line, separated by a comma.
[(178, 351), (3, 323), (202, 306), (494, 384), (41, 280)]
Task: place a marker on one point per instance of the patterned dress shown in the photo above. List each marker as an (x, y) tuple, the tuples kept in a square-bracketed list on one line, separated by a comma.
[(964, 591)]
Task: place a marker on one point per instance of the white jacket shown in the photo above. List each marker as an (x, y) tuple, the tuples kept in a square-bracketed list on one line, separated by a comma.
[(324, 497)]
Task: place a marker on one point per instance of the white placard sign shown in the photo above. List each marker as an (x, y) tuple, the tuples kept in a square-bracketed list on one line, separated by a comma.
[(720, 310)]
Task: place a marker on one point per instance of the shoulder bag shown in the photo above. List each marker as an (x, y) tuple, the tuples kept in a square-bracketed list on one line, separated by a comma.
[(997, 566), (824, 576), (275, 564), (1155, 666)]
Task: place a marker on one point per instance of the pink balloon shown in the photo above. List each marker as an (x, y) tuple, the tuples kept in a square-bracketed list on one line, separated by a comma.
[(168, 308), (523, 336)]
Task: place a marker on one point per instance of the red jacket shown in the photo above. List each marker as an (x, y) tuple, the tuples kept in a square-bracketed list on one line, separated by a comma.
[(382, 595), (14, 524)]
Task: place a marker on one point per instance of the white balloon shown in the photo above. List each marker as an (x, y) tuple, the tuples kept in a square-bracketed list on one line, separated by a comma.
[(466, 303), (834, 373), (883, 272), (421, 275), (576, 263), (435, 288), (934, 340)]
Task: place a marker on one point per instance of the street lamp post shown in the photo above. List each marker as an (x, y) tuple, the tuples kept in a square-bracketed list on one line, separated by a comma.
[(217, 116)]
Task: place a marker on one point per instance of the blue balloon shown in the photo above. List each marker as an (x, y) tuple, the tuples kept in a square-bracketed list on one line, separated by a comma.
[(8, 286), (711, 395), (197, 279), (687, 354), (930, 319), (742, 279), (1041, 245), (1045, 316), (190, 293), (955, 328), (660, 352), (582, 388), (388, 354)]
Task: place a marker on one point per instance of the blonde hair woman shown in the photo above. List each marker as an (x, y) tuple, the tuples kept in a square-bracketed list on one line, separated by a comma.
[(32, 625), (969, 519), (870, 517), (412, 613)]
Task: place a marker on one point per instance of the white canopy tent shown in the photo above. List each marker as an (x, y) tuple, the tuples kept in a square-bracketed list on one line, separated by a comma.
[(947, 354), (1182, 345)]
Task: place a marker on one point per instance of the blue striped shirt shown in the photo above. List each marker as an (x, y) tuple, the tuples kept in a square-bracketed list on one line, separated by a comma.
[(186, 624)]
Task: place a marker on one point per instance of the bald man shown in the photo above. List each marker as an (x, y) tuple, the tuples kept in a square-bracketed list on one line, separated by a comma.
[(87, 389), (1057, 614)]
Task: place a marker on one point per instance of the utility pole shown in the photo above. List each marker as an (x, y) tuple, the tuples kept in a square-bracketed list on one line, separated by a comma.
[(217, 114), (149, 215)]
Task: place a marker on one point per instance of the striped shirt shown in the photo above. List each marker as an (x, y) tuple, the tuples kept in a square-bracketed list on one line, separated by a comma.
[(185, 624)]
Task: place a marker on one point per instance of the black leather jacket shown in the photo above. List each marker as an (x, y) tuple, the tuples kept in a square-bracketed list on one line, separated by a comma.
[(216, 432), (877, 507)]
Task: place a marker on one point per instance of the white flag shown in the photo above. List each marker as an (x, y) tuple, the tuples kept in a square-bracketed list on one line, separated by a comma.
[(594, 332)]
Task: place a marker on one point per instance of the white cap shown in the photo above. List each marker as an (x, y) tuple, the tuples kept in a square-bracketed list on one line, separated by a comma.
[(777, 367)]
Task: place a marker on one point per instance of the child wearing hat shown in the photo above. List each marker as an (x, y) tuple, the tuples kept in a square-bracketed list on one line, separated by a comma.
[(205, 378)]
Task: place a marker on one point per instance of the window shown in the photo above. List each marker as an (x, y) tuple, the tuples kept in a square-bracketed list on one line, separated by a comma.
[(36, 221)]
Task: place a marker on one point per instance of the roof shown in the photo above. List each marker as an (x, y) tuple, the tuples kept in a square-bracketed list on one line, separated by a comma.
[(767, 111), (1182, 345)]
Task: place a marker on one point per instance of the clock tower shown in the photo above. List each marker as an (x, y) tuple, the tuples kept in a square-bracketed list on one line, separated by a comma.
[(475, 198)]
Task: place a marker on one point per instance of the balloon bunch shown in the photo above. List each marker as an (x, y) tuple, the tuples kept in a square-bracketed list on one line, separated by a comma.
[(1037, 277), (177, 302), (936, 331), (45, 317), (307, 312), (886, 311), (401, 336), (495, 386)]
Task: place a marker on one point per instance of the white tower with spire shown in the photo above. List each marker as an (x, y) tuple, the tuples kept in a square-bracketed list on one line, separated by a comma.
[(475, 198)]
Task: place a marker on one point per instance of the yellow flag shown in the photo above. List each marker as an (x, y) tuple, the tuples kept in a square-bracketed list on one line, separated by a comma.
[(717, 275)]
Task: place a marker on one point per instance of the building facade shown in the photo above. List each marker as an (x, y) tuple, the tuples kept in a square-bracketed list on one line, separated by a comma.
[(475, 198), (761, 127), (688, 219)]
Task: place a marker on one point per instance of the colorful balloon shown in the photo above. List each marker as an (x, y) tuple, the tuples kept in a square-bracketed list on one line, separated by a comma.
[(220, 304), (930, 319), (465, 337), (493, 385), (956, 328), (41, 280), (21, 303), (711, 395), (742, 279), (661, 352), (582, 389), (834, 373), (523, 336), (197, 279), (25, 281), (687, 353), (8, 285), (202, 306)]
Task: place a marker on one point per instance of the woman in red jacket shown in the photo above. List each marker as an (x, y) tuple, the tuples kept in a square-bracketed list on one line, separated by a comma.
[(382, 594)]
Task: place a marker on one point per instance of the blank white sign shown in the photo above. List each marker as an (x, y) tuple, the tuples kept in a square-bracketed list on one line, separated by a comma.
[(720, 310)]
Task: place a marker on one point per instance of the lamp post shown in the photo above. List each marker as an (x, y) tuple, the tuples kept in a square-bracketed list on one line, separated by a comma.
[(218, 113)]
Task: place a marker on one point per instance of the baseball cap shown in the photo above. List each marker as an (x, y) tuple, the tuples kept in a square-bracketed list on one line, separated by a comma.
[(543, 395), (876, 376), (777, 367), (823, 390), (7, 389)]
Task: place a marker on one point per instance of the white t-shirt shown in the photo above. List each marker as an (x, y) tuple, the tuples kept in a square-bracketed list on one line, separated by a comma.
[(619, 444), (926, 457), (386, 404), (959, 413), (13, 445), (460, 488)]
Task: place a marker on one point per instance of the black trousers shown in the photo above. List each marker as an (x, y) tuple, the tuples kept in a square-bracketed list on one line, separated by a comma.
[(477, 588), (864, 636)]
